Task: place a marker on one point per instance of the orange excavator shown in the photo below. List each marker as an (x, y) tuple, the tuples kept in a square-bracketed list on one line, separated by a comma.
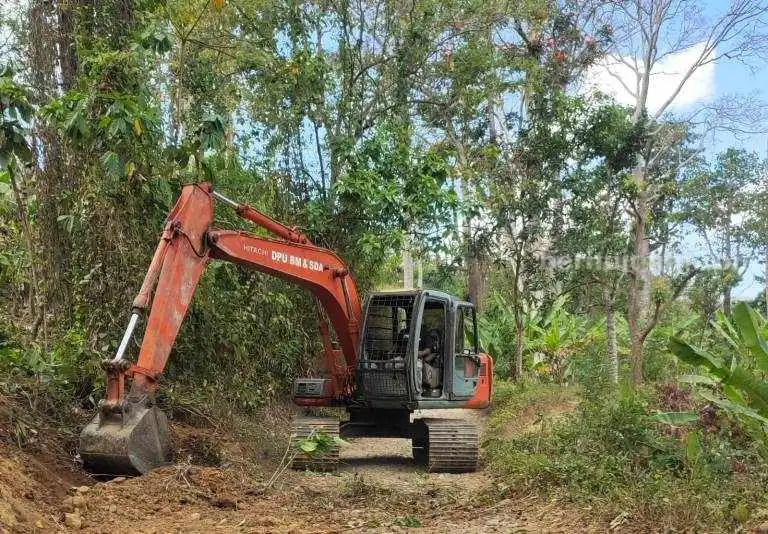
[(389, 358)]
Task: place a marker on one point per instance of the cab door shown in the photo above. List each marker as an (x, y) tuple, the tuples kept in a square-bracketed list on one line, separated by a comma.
[(466, 363)]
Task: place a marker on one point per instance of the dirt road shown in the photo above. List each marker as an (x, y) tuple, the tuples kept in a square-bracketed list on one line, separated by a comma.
[(377, 489)]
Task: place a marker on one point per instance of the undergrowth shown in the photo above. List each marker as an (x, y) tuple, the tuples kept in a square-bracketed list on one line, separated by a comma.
[(611, 456), (529, 399)]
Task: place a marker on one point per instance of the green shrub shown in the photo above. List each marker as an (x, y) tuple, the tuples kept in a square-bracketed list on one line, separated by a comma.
[(614, 456), (734, 377)]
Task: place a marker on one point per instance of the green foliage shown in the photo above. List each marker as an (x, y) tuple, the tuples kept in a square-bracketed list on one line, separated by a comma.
[(390, 191), (511, 400), (497, 332), (67, 366), (715, 199), (705, 292), (678, 320), (613, 456), (318, 444), (112, 115), (407, 521), (15, 113), (555, 342), (738, 371)]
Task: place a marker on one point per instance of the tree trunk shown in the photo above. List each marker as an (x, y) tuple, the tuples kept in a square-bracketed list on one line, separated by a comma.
[(407, 264), (477, 283), (517, 374), (727, 300), (419, 274), (53, 175), (66, 44), (730, 270), (765, 282), (24, 219), (612, 346), (640, 278)]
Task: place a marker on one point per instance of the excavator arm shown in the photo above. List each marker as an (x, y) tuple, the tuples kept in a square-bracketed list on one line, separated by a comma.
[(129, 434)]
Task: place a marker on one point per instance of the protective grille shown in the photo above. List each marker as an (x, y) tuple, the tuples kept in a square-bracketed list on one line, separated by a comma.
[(386, 342), (378, 383)]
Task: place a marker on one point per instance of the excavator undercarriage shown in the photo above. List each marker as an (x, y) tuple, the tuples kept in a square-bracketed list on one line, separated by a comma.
[(443, 445), (394, 355)]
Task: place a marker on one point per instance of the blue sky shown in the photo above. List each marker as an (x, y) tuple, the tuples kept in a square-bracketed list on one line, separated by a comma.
[(734, 78)]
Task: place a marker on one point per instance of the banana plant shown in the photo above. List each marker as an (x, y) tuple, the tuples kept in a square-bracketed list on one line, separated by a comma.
[(734, 379), (552, 335)]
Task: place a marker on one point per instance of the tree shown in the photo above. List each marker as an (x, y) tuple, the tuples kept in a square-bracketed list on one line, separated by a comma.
[(647, 32), (757, 225), (716, 201), (595, 233), (493, 97), (15, 156)]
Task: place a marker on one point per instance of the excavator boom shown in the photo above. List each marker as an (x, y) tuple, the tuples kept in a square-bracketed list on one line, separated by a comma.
[(129, 434)]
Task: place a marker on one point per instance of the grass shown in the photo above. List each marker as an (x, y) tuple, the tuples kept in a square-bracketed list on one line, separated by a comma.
[(609, 456), (517, 406)]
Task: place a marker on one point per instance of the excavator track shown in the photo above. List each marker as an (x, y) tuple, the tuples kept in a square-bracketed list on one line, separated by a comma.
[(305, 427), (452, 445)]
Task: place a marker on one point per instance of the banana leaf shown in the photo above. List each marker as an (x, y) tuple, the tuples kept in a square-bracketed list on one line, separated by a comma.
[(675, 418), (732, 407), (698, 379), (694, 356), (748, 324), (756, 389)]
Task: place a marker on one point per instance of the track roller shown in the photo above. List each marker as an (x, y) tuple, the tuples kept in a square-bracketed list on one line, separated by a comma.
[(304, 427)]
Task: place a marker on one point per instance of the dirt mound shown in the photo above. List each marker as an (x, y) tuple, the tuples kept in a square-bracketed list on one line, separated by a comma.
[(32, 490), (36, 469)]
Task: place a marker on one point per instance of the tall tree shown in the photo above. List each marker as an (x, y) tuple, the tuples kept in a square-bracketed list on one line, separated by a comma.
[(716, 200), (647, 32)]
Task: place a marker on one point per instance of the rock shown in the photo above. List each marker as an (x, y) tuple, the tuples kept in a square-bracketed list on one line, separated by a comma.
[(73, 521), (82, 489), (112, 508), (117, 480), (78, 501), (75, 502), (39, 524), (195, 516)]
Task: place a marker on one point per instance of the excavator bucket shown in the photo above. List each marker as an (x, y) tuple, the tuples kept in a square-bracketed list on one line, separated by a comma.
[(129, 443)]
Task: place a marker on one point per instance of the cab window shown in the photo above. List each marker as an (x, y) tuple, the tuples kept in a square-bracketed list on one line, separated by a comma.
[(466, 343)]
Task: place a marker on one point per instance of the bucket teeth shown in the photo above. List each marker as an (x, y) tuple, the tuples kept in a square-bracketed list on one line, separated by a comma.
[(130, 443)]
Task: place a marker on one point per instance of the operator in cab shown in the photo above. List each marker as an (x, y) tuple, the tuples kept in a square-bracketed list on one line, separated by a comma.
[(432, 365)]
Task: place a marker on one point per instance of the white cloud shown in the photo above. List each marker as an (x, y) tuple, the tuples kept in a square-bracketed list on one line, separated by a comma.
[(611, 75)]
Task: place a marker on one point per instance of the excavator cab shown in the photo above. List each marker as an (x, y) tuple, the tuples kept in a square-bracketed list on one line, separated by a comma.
[(419, 350)]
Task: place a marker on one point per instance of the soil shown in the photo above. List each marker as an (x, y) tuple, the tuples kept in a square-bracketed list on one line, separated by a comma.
[(377, 489)]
